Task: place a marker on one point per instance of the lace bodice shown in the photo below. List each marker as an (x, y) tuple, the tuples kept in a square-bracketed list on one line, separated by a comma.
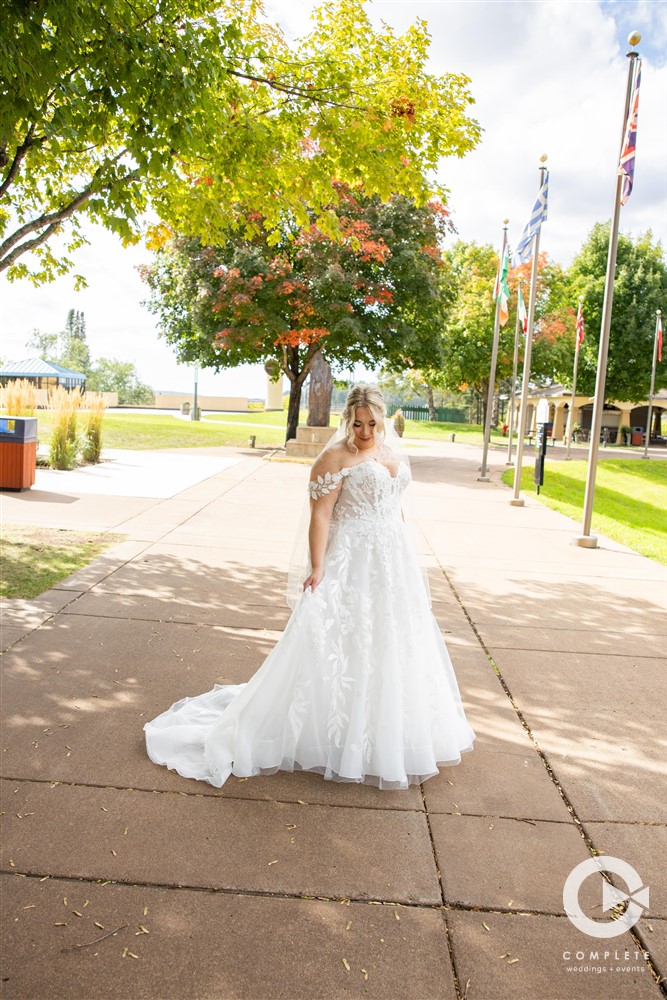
[(369, 491)]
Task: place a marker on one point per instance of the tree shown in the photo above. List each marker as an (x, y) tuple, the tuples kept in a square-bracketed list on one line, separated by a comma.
[(467, 338), (44, 344), (110, 375), (368, 297), (640, 288), (468, 282), (74, 352), (195, 107), (67, 348)]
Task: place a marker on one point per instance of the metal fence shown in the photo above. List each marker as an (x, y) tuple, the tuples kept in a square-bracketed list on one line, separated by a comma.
[(443, 414)]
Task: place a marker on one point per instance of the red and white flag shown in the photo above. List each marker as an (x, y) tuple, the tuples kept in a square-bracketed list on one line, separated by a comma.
[(659, 334), (523, 315), (580, 325)]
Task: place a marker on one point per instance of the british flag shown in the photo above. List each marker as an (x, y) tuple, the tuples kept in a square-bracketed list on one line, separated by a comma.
[(626, 165)]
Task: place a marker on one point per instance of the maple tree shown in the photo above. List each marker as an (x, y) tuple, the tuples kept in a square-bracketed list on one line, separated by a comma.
[(193, 108), (368, 296), (467, 289)]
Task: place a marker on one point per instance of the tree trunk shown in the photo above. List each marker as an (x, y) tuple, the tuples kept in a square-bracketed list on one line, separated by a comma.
[(319, 397), (431, 403), (293, 408)]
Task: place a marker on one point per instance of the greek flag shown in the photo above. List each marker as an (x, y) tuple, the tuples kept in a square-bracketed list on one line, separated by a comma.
[(524, 250)]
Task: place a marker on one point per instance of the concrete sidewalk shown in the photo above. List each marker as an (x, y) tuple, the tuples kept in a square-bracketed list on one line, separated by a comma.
[(290, 886)]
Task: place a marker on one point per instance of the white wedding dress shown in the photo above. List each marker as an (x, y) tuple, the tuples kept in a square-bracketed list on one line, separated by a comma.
[(359, 687)]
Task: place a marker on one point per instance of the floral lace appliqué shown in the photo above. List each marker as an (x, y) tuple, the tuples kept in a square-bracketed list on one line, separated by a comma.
[(325, 484)]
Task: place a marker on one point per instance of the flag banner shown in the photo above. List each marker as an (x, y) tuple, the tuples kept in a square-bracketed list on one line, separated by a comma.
[(523, 313), (501, 291), (580, 327), (539, 215), (659, 333), (626, 165)]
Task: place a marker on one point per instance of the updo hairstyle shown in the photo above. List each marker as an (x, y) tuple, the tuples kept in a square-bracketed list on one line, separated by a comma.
[(371, 397)]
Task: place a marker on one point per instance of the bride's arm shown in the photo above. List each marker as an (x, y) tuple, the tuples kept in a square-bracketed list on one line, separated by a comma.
[(325, 480)]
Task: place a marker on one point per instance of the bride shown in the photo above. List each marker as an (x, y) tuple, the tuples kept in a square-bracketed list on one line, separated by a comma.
[(360, 686)]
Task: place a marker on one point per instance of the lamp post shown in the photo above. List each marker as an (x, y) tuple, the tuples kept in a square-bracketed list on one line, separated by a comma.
[(541, 441), (195, 409)]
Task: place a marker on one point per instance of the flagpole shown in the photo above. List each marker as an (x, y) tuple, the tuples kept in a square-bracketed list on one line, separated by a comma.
[(570, 416), (586, 539), (515, 366), (517, 501), (484, 476), (658, 316)]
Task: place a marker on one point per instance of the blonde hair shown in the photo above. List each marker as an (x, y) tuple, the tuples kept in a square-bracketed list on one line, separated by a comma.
[(371, 397)]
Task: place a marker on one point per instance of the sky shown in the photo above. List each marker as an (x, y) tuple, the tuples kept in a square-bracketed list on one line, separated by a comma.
[(548, 77)]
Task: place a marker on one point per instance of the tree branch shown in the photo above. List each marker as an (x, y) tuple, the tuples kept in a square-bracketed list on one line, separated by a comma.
[(316, 96), (52, 220), (30, 245), (16, 162)]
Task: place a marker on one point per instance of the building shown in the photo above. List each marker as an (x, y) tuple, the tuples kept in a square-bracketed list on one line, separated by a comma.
[(616, 415), (43, 374)]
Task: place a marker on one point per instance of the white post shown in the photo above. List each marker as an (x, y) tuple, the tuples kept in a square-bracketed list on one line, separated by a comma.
[(515, 366), (570, 416), (658, 314), (586, 539), (516, 500), (484, 477)]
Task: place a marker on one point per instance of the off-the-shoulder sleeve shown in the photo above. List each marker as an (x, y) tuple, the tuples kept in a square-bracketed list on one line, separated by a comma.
[(327, 483)]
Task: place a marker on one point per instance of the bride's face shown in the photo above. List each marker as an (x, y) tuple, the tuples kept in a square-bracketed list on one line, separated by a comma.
[(364, 428)]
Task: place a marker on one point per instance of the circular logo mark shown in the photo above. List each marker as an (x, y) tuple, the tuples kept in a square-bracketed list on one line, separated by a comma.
[(637, 897)]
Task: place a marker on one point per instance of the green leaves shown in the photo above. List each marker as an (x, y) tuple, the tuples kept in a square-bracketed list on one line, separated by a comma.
[(639, 289), (194, 106), (366, 294)]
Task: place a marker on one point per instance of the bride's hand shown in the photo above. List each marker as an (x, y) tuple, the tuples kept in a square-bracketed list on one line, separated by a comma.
[(314, 580)]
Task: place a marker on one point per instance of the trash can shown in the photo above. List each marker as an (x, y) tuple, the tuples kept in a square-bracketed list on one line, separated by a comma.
[(637, 435), (18, 452)]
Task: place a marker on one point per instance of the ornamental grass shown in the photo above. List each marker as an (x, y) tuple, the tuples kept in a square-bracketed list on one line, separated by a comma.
[(19, 398), (64, 439), (93, 408)]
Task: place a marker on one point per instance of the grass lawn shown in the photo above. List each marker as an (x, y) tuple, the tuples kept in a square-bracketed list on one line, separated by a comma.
[(466, 433), (34, 559), (630, 499), (277, 418), (148, 432)]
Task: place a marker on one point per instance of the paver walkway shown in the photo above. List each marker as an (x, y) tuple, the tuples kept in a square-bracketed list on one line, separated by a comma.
[(289, 886)]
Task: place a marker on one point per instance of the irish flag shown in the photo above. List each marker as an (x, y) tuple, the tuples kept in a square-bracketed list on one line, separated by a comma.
[(501, 292)]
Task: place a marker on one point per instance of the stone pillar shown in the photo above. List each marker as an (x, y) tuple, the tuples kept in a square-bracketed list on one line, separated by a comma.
[(274, 394), (558, 430), (624, 420), (319, 393)]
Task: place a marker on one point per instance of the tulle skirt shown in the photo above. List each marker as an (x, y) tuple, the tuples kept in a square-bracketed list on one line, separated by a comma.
[(360, 686)]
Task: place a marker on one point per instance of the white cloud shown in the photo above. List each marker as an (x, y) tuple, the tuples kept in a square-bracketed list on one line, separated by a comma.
[(548, 76)]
